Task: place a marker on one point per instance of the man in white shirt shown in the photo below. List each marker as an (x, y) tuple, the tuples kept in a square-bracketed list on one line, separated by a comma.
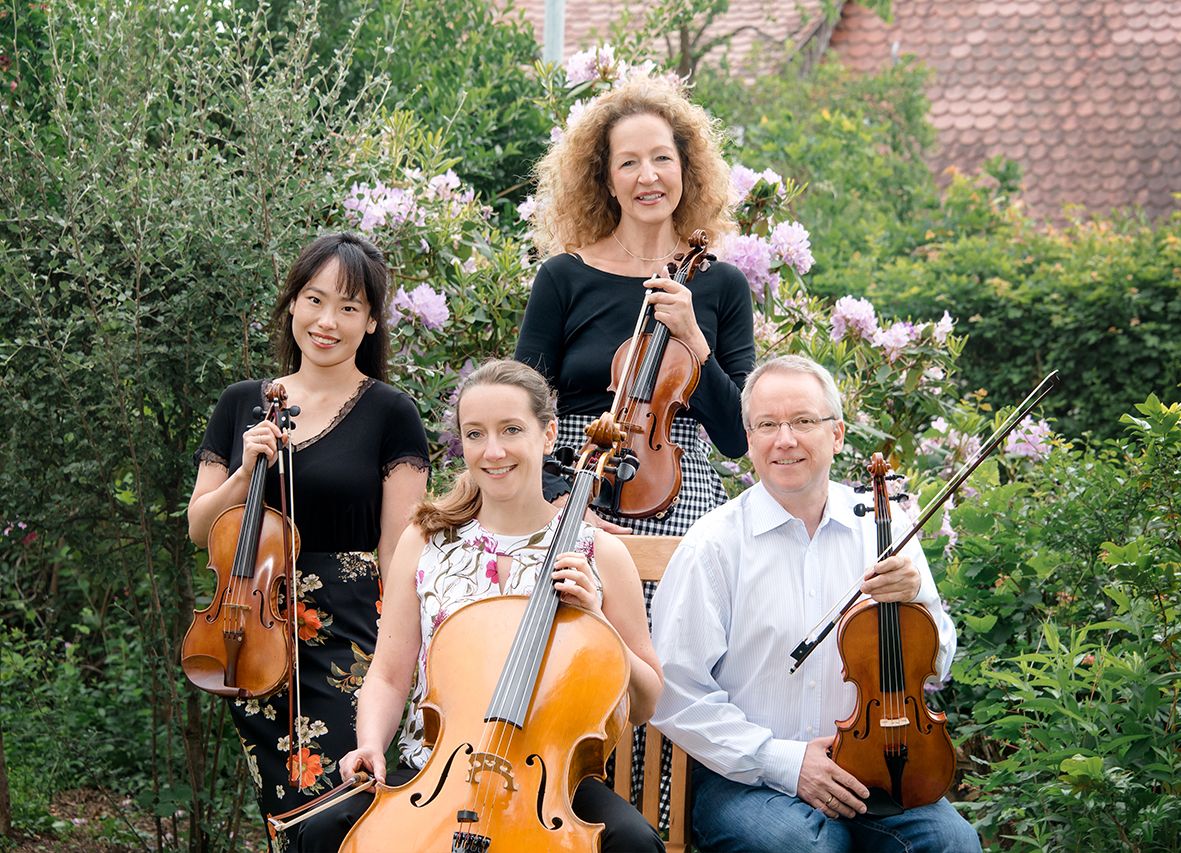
[(748, 581)]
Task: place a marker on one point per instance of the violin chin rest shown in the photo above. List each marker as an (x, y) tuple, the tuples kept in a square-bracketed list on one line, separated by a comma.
[(881, 804), (208, 673)]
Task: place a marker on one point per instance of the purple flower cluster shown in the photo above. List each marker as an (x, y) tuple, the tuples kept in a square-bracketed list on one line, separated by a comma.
[(370, 208), (851, 315), (895, 339), (743, 180), (791, 241), (598, 63), (1030, 439), (425, 303), (753, 256), (943, 327)]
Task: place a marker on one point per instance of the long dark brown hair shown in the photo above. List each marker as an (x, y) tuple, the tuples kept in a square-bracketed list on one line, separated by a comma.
[(462, 503), (362, 269)]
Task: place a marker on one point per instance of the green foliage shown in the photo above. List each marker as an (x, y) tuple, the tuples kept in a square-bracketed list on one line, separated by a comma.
[(463, 68), (1098, 301), (1066, 584), (855, 141), (157, 181)]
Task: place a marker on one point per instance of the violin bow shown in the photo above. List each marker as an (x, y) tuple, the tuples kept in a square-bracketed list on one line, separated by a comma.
[(360, 781), (815, 637)]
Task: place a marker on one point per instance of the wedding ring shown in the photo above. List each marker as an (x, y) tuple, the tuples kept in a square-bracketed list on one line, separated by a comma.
[(829, 800)]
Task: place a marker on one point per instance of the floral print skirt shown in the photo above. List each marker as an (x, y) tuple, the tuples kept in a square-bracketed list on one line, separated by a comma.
[(338, 607)]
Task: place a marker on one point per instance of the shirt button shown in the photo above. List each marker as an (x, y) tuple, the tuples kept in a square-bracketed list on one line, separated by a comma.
[(812, 593), (809, 730), (812, 683)]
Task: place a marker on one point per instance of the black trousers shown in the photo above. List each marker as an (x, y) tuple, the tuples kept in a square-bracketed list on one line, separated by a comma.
[(626, 830)]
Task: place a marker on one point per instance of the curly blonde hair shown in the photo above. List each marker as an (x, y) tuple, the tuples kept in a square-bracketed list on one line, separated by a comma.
[(574, 207)]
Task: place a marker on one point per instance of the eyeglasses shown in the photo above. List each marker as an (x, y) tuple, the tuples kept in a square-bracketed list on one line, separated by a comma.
[(800, 426)]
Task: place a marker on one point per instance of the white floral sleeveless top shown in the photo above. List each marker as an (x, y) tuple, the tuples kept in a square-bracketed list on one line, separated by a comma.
[(460, 566)]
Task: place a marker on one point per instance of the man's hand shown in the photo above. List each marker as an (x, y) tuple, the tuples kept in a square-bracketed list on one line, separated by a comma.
[(824, 785), (894, 579)]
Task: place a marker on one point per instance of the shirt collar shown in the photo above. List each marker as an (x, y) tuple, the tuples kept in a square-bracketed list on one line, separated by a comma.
[(766, 513)]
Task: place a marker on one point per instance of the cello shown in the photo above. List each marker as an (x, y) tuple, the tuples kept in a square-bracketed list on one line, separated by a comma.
[(517, 725), (892, 742), (241, 645), (653, 376)]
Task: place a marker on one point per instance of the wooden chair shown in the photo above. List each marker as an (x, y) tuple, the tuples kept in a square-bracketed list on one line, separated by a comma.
[(651, 554)]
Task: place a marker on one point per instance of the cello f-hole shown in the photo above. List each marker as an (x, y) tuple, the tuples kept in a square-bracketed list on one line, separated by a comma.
[(557, 822), (466, 749)]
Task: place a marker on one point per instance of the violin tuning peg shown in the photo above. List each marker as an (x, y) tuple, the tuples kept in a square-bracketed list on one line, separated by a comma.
[(861, 510), (901, 496), (710, 256), (294, 413), (703, 266), (678, 257), (672, 269), (860, 488), (565, 455), (258, 411)]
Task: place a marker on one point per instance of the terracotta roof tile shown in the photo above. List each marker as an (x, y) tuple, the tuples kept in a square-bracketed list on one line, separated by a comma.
[(760, 27), (1085, 94)]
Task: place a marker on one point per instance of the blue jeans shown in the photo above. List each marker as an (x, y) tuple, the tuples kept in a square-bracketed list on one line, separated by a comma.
[(729, 817)]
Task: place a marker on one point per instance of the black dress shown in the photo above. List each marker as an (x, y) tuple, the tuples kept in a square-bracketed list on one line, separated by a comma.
[(577, 316), (338, 491)]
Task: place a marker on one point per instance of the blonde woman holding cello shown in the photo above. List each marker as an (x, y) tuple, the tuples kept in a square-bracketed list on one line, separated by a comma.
[(489, 537)]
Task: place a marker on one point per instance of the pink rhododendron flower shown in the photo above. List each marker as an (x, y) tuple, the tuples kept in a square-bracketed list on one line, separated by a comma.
[(1030, 439), (894, 339), (742, 181), (527, 208), (752, 255), (425, 303), (598, 63), (856, 315), (791, 241), (372, 207), (444, 185), (943, 327)]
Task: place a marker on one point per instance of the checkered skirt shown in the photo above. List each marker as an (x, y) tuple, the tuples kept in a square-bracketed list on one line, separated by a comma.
[(701, 491)]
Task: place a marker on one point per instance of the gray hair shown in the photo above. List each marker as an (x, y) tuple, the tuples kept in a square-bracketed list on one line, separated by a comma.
[(794, 364)]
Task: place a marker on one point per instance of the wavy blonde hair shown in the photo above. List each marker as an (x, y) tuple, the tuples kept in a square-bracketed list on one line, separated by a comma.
[(573, 203), (462, 502)]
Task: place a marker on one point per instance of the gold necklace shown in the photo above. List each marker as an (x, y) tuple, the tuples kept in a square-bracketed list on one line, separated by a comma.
[(663, 257)]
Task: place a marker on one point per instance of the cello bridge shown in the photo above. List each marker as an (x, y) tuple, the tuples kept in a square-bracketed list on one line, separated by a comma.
[(481, 761), (894, 722)]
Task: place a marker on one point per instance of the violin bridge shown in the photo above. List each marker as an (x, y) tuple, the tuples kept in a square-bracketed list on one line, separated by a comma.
[(481, 761), (894, 722)]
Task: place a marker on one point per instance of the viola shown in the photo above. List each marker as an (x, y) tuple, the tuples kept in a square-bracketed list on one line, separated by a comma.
[(241, 645), (892, 742), (515, 722), (653, 376)]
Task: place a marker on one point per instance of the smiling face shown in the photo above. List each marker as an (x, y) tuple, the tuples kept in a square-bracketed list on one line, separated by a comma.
[(503, 441), (328, 326), (644, 169), (793, 468)]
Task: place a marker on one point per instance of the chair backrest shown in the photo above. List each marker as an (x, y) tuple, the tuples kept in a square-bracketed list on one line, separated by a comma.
[(651, 555)]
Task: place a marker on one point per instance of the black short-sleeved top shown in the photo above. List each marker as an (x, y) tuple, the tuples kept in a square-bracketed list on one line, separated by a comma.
[(338, 473), (577, 316)]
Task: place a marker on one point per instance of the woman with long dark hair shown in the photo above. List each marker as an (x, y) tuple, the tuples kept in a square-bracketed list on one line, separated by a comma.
[(360, 465)]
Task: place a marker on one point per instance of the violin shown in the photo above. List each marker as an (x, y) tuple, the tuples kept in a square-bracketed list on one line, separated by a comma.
[(653, 376), (892, 742), (241, 645), (515, 722)]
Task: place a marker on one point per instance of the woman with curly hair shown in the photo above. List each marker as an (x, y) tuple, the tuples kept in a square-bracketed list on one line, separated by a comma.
[(618, 196)]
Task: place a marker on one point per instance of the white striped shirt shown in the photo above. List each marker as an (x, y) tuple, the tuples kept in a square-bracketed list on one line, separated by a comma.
[(741, 591)]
